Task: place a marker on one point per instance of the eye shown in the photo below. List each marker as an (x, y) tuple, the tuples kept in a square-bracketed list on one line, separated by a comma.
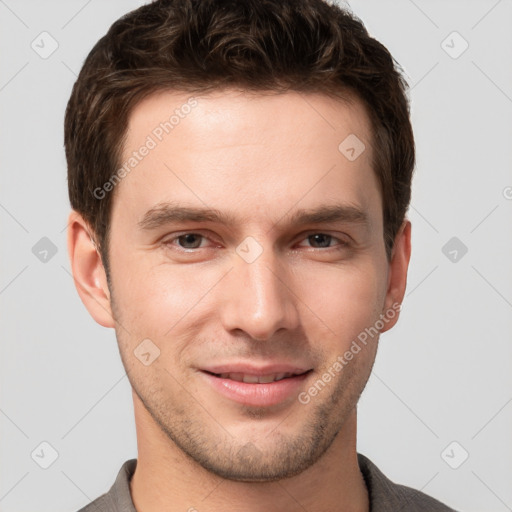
[(187, 240), (191, 241), (323, 241)]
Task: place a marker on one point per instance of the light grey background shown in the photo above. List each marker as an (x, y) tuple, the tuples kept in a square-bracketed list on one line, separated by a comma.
[(442, 375)]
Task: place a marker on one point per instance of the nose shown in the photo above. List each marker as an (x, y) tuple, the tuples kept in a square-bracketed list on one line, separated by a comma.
[(259, 298)]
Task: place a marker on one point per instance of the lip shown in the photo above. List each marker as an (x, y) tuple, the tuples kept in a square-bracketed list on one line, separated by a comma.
[(257, 394), (252, 369)]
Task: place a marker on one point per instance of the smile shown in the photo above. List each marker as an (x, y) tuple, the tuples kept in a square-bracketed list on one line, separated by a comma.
[(257, 389), (255, 379)]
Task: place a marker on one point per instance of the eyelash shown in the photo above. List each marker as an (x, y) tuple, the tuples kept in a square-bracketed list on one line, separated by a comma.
[(341, 243)]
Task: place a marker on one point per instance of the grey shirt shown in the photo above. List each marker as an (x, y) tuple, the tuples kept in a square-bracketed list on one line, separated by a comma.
[(384, 495)]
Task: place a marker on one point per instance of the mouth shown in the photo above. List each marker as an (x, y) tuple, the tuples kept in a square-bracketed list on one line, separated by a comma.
[(257, 379), (263, 387)]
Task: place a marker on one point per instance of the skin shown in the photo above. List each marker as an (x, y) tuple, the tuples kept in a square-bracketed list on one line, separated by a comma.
[(259, 157)]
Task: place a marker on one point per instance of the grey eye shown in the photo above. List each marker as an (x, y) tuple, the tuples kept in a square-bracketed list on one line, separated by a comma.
[(190, 241), (320, 238)]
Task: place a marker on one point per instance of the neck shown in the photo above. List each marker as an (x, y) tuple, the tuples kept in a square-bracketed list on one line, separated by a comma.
[(167, 479)]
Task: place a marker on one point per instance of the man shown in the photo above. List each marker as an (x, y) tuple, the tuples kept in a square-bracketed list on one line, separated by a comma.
[(239, 173)]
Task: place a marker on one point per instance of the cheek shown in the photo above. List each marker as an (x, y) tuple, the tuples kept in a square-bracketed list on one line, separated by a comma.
[(159, 302), (343, 301), (161, 305)]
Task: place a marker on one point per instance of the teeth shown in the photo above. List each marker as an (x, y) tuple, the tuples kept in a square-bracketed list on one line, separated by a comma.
[(255, 379), (265, 379), (234, 376), (250, 379)]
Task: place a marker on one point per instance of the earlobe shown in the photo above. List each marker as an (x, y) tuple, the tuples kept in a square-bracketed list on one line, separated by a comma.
[(397, 276), (88, 271)]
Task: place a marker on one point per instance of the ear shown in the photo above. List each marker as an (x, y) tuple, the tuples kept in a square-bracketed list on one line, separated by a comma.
[(397, 274), (88, 271)]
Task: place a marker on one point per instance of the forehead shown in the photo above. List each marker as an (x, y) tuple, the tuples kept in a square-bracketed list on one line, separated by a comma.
[(239, 114), (249, 151)]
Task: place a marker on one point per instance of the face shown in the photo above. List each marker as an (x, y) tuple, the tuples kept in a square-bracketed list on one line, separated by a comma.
[(246, 257)]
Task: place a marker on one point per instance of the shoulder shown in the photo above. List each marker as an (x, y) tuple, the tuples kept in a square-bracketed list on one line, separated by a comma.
[(118, 498), (101, 504), (387, 496)]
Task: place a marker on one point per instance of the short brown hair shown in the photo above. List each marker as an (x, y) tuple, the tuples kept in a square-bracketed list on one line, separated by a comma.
[(261, 45)]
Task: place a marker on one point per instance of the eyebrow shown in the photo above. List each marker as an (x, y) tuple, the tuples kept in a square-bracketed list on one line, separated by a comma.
[(166, 213)]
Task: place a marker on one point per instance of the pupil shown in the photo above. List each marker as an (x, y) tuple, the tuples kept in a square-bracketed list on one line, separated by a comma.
[(322, 238), (189, 239)]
